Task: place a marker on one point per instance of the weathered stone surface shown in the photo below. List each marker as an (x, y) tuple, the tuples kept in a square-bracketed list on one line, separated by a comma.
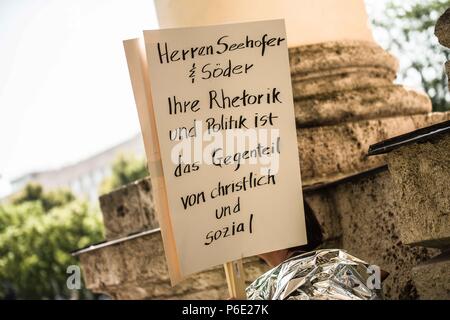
[(360, 104), (345, 85), (357, 215), (432, 278), (309, 59), (421, 121), (129, 209), (330, 67), (323, 208), (330, 153), (447, 70), (136, 269), (442, 29), (367, 208), (421, 175), (343, 79)]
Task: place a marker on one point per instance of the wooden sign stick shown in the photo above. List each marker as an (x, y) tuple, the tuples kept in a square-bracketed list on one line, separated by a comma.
[(234, 272)]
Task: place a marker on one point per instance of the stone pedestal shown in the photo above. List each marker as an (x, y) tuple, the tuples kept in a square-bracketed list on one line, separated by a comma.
[(419, 175), (345, 100)]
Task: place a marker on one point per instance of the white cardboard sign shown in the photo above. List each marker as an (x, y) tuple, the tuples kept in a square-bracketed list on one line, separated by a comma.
[(224, 113)]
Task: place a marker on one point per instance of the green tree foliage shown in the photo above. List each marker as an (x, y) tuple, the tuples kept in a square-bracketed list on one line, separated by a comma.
[(125, 169), (408, 32), (37, 233), (49, 200)]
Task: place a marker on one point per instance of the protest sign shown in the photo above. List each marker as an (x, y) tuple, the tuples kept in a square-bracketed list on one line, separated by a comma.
[(217, 116)]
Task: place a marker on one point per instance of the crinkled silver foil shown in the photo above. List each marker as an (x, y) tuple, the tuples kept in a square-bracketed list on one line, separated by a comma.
[(328, 274)]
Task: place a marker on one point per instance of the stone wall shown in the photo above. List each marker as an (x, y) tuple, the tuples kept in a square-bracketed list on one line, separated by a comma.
[(363, 214), (345, 100), (395, 216), (421, 175)]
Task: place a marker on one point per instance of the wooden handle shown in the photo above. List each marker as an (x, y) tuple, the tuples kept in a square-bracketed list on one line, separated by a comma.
[(234, 272)]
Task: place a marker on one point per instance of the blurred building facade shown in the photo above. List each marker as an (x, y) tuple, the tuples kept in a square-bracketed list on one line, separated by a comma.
[(84, 177)]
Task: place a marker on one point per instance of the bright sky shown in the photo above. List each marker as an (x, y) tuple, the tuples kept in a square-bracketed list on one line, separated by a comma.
[(64, 87)]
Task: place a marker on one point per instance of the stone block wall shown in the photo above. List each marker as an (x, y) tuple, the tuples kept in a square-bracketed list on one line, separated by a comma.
[(135, 268), (396, 216), (363, 214), (364, 208), (345, 100), (421, 176)]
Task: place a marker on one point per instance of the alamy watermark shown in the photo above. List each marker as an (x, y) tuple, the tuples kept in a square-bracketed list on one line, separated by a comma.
[(223, 148), (73, 281)]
